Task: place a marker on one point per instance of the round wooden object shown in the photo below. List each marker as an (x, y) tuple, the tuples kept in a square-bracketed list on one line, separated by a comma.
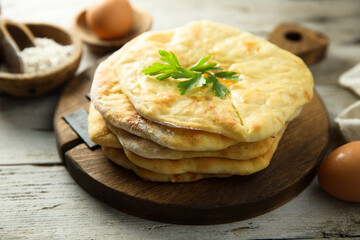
[(37, 84), (309, 45), (207, 201)]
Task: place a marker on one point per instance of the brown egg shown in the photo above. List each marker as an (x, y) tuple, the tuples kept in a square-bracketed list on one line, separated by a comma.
[(339, 172), (110, 19)]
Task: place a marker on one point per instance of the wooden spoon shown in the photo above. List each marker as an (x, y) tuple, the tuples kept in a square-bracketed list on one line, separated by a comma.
[(14, 37)]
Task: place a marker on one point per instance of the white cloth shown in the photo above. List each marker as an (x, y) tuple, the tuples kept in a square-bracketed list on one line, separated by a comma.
[(349, 122), (349, 119), (351, 79)]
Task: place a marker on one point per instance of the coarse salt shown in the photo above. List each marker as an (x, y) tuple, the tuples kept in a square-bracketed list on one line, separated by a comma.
[(45, 55)]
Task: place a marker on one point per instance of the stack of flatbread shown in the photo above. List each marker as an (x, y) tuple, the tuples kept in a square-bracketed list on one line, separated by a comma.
[(145, 125)]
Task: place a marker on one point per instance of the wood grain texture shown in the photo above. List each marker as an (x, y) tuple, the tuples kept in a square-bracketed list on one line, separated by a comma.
[(202, 202), (45, 202), (72, 99), (26, 130)]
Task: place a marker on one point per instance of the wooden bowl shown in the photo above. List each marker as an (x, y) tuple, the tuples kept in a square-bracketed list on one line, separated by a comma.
[(37, 84), (142, 23)]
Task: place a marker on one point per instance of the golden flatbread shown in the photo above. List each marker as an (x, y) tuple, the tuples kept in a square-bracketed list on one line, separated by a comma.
[(119, 158), (98, 132), (275, 83), (149, 149), (167, 136), (116, 108), (206, 165), (146, 148)]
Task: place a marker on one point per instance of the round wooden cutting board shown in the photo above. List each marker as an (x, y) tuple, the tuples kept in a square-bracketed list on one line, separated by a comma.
[(207, 201)]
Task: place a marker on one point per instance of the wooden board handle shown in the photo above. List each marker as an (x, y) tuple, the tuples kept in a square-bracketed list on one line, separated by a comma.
[(309, 45)]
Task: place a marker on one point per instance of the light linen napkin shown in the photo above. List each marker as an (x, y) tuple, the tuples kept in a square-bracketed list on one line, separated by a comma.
[(349, 119), (349, 122), (351, 79)]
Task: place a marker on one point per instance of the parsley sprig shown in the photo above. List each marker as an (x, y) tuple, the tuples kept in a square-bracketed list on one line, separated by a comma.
[(199, 75)]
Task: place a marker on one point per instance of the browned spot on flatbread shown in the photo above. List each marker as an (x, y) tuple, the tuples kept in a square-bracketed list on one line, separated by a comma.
[(250, 46), (166, 100), (194, 99), (227, 121), (256, 127), (181, 57), (293, 96), (307, 95), (210, 108)]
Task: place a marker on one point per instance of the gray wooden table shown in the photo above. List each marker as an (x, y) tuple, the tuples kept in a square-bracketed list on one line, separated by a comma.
[(39, 199)]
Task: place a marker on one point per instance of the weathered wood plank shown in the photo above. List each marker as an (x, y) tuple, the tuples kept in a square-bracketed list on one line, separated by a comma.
[(39, 202), (26, 131)]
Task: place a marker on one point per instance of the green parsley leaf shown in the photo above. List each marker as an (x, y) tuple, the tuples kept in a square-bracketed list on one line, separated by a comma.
[(217, 87), (170, 58), (228, 75), (200, 67), (196, 81), (184, 73), (163, 70), (199, 75)]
